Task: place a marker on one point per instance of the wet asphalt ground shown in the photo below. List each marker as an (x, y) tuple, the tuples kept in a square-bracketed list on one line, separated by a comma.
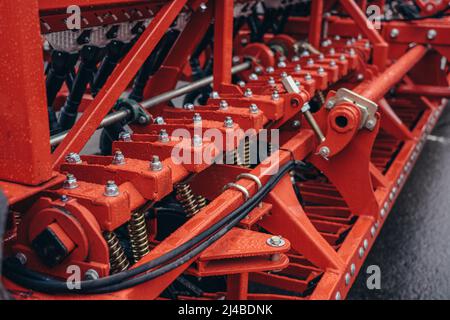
[(413, 248)]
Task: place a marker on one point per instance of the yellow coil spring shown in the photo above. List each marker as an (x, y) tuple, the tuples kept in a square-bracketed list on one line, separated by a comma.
[(137, 230), (187, 199), (321, 97), (201, 202), (246, 162), (117, 259)]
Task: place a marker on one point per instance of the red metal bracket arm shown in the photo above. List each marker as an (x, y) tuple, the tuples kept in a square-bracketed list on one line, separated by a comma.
[(304, 237), (118, 81), (380, 50)]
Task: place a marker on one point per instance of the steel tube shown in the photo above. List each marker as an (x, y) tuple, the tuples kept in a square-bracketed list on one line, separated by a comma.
[(123, 114), (377, 89)]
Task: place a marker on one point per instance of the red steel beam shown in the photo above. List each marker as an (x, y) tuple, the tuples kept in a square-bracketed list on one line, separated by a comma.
[(380, 50), (223, 42), (376, 89), (118, 81), (45, 5), (25, 157), (315, 28), (425, 90)]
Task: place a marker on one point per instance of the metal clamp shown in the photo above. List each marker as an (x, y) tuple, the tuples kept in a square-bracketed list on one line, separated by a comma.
[(368, 108), (238, 187), (250, 176)]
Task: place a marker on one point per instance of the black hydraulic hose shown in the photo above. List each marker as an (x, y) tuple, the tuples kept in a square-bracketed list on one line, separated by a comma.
[(69, 112), (114, 53), (113, 282), (59, 68), (153, 62)]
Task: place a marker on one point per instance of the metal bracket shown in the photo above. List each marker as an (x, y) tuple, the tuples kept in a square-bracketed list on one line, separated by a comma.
[(137, 112), (368, 108)]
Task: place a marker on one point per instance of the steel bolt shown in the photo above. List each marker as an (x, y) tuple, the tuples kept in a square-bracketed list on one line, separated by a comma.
[(431, 34), (188, 106), (241, 84), (270, 70), (228, 123), (297, 68), (310, 62), (295, 59), (70, 182), (373, 231), (253, 108), (21, 257), (253, 76), (203, 7), (73, 158), (118, 158), (347, 279), (64, 198), (281, 64), (370, 124), (91, 274), (159, 120), (258, 70), (156, 164), (196, 141), (321, 70), (342, 57), (125, 136), (365, 244), (276, 241), (275, 95), (111, 189), (214, 95), (324, 152), (197, 118), (296, 124), (352, 269), (308, 77), (337, 296), (361, 252), (163, 136), (332, 63), (248, 93), (223, 105), (142, 120), (271, 81)]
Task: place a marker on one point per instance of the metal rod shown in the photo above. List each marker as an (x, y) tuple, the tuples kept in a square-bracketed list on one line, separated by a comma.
[(377, 89), (166, 96)]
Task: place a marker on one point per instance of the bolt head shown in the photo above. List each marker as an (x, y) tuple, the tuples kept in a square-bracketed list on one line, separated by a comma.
[(197, 118), (324, 151), (119, 158), (73, 157), (296, 124), (163, 136), (254, 108), (241, 84), (159, 120), (276, 241), (370, 124), (125, 136), (203, 7), (253, 76), (338, 296), (347, 279), (431, 34), (70, 182), (142, 120), (352, 269), (111, 189), (270, 70), (197, 141), (21, 257), (214, 95), (228, 122), (223, 104), (188, 106), (91, 274), (248, 92), (156, 164), (275, 95), (361, 252)]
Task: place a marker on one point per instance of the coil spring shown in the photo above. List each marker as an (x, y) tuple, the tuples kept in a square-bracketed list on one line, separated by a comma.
[(137, 230), (246, 162), (187, 199), (117, 259), (201, 202), (321, 97)]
